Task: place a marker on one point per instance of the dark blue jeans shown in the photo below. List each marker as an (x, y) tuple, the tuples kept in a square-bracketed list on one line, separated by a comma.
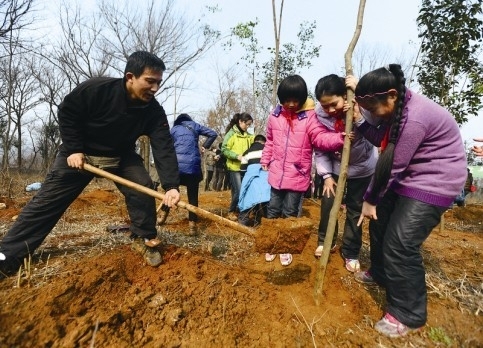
[(402, 225), (283, 203), (60, 188), (352, 237), (235, 181)]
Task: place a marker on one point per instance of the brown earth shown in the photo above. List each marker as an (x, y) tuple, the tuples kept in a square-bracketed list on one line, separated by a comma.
[(85, 287)]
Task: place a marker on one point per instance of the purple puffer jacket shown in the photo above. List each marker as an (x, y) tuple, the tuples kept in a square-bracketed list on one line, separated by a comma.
[(291, 139)]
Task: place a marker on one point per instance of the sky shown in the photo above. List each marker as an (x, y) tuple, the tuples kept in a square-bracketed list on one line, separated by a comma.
[(383, 26), (388, 26)]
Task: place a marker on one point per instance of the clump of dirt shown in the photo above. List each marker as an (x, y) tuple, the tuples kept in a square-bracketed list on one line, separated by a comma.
[(214, 289), (470, 214), (279, 236)]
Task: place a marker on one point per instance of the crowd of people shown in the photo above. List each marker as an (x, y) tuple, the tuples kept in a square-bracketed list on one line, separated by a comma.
[(399, 143)]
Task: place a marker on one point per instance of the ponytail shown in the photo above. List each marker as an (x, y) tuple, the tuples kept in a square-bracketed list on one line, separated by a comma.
[(233, 121), (244, 116), (384, 164)]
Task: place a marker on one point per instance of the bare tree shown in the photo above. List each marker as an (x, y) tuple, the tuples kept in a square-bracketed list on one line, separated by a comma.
[(277, 31), (175, 38), (17, 100), (78, 54), (13, 17), (230, 99), (53, 87)]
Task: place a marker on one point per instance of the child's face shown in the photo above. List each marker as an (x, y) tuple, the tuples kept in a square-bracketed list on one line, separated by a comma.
[(244, 125), (291, 104), (333, 105), (382, 109)]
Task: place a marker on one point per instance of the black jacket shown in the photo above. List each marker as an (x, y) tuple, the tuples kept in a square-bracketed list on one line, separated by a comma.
[(96, 118)]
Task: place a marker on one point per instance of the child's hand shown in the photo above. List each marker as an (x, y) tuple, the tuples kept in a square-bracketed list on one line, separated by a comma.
[(351, 82), (477, 150), (357, 116), (351, 135), (346, 106), (264, 167), (329, 187), (369, 211)]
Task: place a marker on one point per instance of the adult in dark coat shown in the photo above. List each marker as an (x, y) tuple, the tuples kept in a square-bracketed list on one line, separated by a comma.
[(100, 122)]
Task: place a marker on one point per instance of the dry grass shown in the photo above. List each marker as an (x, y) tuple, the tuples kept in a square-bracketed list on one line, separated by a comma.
[(86, 237), (468, 295)]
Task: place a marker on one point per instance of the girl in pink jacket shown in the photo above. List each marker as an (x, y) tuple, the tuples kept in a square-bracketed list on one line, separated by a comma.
[(293, 132)]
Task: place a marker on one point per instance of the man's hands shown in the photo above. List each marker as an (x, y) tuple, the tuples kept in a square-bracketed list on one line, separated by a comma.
[(171, 198), (76, 160)]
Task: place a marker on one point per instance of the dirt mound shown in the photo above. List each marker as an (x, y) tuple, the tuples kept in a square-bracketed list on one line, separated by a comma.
[(215, 290)]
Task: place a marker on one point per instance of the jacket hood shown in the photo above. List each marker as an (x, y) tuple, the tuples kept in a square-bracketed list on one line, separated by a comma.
[(181, 118)]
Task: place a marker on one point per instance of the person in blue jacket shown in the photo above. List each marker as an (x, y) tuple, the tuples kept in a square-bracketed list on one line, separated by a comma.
[(255, 189), (186, 133)]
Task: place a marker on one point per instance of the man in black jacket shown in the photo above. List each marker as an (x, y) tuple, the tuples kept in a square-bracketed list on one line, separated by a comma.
[(100, 122)]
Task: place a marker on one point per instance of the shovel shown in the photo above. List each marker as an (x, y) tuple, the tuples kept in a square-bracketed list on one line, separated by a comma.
[(274, 236)]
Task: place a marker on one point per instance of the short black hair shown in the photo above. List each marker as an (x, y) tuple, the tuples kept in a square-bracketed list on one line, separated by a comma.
[(293, 87), (260, 138), (142, 60), (330, 85)]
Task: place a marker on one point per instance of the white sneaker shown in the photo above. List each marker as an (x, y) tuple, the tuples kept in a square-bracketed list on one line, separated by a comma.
[(270, 257), (320, 249), (285, 259), (352, 265)]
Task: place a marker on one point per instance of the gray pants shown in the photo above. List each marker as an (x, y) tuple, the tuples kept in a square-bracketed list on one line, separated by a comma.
[(402, 225), (61, 187)]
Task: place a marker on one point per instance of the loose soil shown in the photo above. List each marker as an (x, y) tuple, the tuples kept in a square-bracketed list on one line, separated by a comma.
[(85, 287)]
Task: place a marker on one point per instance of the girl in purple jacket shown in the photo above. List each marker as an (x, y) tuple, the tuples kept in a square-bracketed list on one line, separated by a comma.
[(293, 131), (420, 171)]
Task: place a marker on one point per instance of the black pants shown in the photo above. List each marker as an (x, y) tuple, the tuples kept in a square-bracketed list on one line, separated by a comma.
[(318, 185), (60, 188), (218, 178), (209, 176), (402, 225), (352, 237), (257, 211), (192, 183)]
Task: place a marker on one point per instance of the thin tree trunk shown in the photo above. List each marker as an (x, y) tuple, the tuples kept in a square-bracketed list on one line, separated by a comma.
[(277, 49), (334, 212)]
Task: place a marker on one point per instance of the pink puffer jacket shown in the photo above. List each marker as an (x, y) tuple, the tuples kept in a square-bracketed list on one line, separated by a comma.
[(291, 139)]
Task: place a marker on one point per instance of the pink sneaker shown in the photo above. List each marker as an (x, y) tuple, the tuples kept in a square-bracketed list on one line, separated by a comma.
[(392, 327), (364, 277)]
